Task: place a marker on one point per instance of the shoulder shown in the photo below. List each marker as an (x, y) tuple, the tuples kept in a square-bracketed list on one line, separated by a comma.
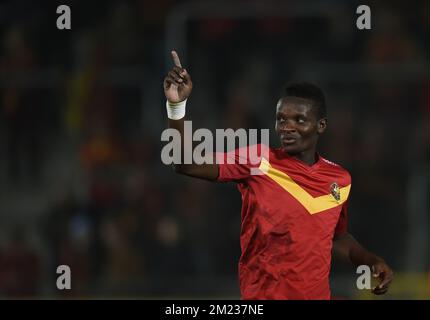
[(337, 169), (250, 154), (258, 150)]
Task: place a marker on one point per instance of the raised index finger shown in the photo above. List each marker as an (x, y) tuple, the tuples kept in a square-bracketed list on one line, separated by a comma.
[(176, 59)]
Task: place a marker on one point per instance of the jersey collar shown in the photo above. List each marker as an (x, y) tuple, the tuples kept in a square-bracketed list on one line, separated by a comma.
[(314, 166)]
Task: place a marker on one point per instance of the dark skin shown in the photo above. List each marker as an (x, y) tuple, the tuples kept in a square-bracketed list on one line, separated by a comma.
[(298, 127)]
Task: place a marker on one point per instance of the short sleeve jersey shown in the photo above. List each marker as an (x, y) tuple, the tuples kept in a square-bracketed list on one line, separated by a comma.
[(290, 214)]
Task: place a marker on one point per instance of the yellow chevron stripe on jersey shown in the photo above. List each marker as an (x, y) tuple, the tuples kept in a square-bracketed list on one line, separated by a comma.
[(313, 205)]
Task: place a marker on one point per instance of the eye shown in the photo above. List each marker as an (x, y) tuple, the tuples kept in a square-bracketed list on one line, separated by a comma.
[(301, 120)]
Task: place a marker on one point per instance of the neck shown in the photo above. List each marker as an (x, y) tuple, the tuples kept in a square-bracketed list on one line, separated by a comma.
[(308, 156)]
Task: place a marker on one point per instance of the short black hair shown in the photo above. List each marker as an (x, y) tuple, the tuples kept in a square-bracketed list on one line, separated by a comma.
[(310, 91)]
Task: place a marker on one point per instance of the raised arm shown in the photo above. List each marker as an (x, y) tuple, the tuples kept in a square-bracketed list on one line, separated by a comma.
[(348, 249), (177, 89)]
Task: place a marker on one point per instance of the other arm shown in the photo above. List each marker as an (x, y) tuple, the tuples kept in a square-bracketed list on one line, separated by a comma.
[(348, 249)]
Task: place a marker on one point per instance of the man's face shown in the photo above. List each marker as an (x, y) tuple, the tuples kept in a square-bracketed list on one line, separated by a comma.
[(297, 125)]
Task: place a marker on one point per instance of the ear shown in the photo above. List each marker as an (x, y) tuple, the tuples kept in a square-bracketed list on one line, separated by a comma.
[(321, 125)]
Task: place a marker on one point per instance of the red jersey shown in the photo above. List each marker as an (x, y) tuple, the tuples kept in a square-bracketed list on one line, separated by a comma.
[(290, 214)]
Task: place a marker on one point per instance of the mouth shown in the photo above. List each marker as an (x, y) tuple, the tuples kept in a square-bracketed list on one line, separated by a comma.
[(288, 140)]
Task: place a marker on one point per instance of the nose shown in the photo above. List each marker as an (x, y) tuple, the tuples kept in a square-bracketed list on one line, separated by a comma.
[(288, 127), (290, 130)]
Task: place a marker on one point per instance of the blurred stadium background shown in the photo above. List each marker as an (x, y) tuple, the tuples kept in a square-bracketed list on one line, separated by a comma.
[(82, 111)]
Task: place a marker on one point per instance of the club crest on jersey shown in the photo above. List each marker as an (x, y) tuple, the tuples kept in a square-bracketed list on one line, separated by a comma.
[(335, 191)]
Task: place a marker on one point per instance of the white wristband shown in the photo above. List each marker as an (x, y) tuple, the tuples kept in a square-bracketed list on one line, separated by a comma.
[(176, 111)]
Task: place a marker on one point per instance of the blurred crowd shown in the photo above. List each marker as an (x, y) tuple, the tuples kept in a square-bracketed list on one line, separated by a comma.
[(82, 111)]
